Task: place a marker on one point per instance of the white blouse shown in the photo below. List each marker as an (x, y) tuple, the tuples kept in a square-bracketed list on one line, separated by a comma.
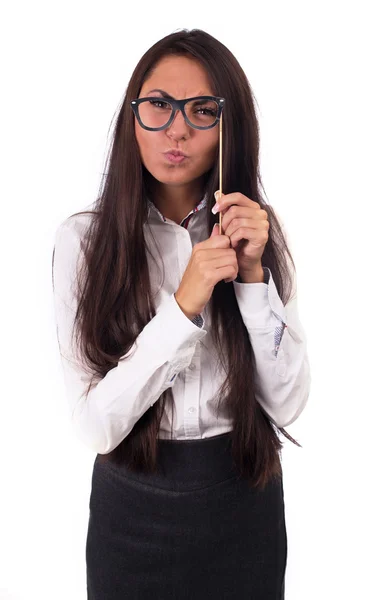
[(173, 351)]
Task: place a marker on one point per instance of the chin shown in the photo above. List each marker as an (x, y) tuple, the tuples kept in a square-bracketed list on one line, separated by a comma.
[(173, 176)]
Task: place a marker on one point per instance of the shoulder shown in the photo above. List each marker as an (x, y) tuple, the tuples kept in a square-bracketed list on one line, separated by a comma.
[(76, 225), (71, 233), (69, 239)]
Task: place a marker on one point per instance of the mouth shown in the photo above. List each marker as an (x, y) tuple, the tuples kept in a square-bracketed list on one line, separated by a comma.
[(175, 156), (176, 152)]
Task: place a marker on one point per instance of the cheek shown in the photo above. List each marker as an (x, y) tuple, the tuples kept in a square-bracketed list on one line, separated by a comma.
[(147, 141), (140, 138), (144, 145), (210, 146)]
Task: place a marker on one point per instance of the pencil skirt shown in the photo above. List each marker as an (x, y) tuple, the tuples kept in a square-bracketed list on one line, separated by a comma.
[(194, 530)]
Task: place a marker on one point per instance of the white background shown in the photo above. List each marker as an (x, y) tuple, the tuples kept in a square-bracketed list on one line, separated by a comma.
[(65, 68)]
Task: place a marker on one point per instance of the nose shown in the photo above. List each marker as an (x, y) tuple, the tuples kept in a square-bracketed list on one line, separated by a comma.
[(178, 128)]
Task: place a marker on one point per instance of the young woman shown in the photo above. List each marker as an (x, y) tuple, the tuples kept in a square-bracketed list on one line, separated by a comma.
[(182, 349)]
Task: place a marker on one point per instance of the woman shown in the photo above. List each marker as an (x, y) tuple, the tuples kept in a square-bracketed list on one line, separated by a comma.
[(181, 344)]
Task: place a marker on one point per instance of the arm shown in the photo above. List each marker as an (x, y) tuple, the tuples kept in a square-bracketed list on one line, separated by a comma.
[(280, 348), (114, 404)]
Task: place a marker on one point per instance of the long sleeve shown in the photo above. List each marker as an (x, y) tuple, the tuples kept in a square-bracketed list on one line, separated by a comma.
[(283, 377), (166, 345)]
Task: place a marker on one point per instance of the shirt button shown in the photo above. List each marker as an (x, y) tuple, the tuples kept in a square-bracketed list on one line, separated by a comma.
[(192, 366), (191, 409)]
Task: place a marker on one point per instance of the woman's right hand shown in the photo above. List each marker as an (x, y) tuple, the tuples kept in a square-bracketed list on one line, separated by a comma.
[(211, 261)]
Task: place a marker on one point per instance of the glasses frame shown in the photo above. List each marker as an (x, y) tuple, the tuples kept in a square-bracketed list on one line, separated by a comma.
[(177, 105)]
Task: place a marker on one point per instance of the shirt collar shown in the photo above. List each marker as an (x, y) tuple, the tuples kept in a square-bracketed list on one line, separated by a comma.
[(184, 222)]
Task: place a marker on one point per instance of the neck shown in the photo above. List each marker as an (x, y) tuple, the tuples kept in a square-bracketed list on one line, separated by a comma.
[(176, 201)]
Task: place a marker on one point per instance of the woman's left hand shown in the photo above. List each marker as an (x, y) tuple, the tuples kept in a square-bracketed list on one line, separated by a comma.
[(247, 226)]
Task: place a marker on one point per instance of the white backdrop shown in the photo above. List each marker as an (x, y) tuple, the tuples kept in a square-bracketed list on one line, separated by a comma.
[(65, 68)]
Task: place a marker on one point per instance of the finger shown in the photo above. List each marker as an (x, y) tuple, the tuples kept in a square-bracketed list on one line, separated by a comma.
[(234, 198), (215, 230), (238, 223), (257, 238), (252, 217)]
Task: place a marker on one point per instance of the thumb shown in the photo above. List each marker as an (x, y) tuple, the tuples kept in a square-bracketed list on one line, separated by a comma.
[(215, 230)]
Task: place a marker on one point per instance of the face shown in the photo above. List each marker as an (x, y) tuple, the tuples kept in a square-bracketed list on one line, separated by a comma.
[(180, 77)]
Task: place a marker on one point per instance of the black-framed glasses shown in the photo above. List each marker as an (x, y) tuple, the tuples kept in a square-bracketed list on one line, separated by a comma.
[(155, 113)]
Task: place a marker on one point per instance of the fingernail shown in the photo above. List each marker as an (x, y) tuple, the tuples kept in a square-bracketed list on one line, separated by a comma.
[(216, 206)]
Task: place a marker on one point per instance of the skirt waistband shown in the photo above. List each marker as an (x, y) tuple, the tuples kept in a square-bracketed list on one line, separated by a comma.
[(186, 464)]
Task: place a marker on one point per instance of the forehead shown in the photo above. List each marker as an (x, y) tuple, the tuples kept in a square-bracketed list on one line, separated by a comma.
[(180, 77)]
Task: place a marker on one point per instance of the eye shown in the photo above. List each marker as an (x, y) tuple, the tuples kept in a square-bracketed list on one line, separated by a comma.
[(156, 103), (208, 111)]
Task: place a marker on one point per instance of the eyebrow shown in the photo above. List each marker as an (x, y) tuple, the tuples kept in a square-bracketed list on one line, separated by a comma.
[(166, 95)]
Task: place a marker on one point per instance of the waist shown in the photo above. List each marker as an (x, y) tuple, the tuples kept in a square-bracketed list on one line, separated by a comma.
[(187, 464)]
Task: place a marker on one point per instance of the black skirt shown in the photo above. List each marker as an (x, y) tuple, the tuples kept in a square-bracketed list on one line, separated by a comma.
[(194, 531)]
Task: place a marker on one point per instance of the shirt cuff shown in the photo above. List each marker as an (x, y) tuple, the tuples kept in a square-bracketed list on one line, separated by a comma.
[(259, 303)]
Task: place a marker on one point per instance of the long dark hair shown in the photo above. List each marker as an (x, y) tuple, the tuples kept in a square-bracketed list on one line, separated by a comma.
[(115, 297)]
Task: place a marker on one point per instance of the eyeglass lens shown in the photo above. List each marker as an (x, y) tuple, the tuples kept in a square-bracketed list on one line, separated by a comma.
[(156, 113)]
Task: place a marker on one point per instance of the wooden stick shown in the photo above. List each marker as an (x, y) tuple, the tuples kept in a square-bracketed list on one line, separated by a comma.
[(220, 167)]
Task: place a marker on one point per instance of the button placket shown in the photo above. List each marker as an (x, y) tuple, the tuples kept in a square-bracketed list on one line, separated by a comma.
[(184, 246)]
